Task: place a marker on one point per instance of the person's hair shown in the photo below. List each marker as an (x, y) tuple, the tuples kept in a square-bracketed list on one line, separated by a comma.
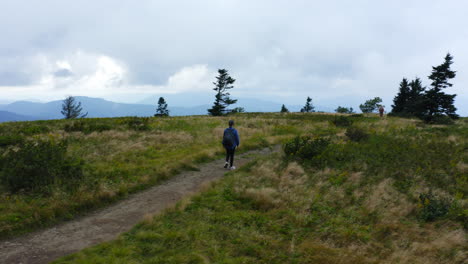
[(231, 123)]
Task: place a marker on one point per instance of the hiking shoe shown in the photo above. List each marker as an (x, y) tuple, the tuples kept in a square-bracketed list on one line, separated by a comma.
[(233, 168), (226, 165)]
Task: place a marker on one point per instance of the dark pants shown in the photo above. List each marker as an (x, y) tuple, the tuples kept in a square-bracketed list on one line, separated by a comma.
[(230, 156)]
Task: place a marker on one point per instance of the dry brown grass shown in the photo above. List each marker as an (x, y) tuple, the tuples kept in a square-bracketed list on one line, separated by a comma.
[(463, 167), (390, 203), (106, 192), (263, 198), (292, 178), (429, 244), (267, 170), (355, 177)]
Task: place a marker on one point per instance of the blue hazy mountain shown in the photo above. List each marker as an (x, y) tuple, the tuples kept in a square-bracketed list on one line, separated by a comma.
[(6, 116), (188, 100), (98, 107)]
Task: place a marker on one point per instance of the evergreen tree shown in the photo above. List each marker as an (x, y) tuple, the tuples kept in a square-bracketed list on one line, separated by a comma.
[(401, 100), (308, 106), (162, 108), (370, 105), (284, 109), (416, 98), (222, 100), (437, 103), (71, 109)]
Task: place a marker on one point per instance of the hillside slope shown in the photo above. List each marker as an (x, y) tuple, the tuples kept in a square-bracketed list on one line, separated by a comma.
[(395, 196), (52, 170)]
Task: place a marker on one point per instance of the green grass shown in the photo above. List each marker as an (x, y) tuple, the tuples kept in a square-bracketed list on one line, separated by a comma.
[(124, 155), (352, 203)]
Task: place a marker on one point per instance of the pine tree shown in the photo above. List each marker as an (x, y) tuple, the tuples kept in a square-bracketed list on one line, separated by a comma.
[(401, 100), (162, 108), (410, 100), (70, 109), (222, 100), (284, 109), (308, 106), (416, 98), (437, 103)]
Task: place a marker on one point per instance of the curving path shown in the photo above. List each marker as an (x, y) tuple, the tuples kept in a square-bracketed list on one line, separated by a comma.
[(106, 224)]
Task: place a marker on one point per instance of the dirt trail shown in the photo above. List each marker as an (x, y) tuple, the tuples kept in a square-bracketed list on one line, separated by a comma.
[(106, 224)]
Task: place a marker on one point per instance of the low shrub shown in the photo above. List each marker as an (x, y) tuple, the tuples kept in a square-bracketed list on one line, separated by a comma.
[(404, 115), (96, 127), (440, 120), (432, 207), (138, 123), (356, 134), (342, 121), (74, 126), (36, 165), (81, 126), (305, 147), (237, 110), (8, 140), (33, 130)]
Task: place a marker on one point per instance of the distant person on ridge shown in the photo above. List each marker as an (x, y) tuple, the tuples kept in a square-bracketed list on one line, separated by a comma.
[(381, 110), (230, 142)]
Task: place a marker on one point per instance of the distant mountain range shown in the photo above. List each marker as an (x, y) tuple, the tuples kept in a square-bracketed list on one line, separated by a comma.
[(98, 107), (6, 116)]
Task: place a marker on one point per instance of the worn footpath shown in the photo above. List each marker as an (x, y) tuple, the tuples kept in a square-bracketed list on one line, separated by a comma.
[(106, 224)]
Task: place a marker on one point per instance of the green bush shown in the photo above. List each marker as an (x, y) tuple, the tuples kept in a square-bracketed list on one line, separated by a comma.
[(441, 120), (305, 147), (342, 121), (74, 126), (138, 123), (432, 207), (8, 140), (86, 128), (96, 127), (33, 130), (36, 165), (356, 134)]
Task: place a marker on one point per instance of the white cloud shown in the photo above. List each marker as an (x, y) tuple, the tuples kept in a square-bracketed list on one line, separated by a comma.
[(296, 48), (190, 79), (101, 76)]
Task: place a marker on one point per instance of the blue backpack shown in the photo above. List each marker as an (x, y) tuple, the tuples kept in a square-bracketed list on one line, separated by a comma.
[(229, 140)]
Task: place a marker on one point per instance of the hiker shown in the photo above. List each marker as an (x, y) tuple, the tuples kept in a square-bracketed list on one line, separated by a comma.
[(381, 110), (230, 143)]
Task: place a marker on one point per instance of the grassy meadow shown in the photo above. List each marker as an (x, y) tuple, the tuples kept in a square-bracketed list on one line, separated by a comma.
[(92, 162), (347, 190)]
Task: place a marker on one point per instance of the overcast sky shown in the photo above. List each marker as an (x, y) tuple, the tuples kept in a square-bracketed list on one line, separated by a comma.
[(333, 51)]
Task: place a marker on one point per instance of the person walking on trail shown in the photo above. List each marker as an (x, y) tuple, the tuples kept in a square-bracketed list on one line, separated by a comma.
[(230, 142), (381, 110)]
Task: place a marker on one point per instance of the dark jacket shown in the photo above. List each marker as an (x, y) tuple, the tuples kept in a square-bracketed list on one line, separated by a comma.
[(236, 137)]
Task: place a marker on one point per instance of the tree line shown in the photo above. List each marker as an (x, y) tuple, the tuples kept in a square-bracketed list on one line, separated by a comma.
[(412, 100), (431, 105)]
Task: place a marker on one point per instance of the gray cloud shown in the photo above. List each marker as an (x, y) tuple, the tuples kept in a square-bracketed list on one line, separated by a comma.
[(300, 48), (14, 78), (63, 73)]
